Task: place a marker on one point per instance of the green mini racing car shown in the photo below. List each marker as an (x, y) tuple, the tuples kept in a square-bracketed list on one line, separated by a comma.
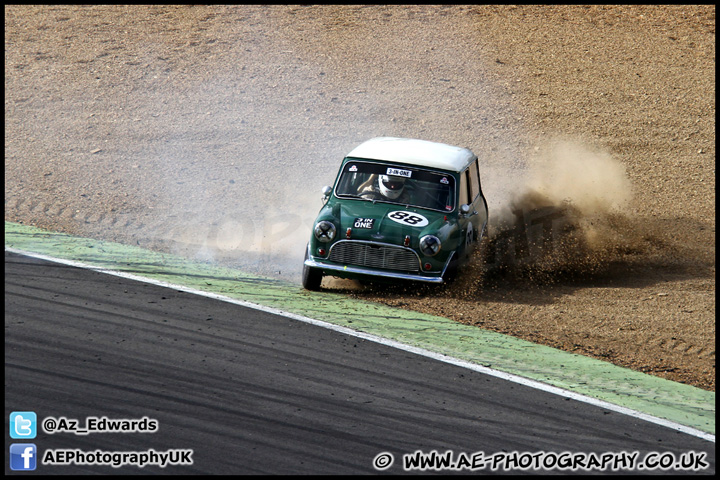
[(400, 209)]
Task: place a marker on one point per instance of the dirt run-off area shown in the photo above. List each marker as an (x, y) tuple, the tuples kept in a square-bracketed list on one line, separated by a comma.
[(208, 131)]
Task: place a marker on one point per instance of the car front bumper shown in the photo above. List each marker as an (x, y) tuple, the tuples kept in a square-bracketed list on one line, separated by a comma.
[(351, 271)]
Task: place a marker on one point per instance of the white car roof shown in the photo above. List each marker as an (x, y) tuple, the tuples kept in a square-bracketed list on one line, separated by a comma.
[(415, 152)]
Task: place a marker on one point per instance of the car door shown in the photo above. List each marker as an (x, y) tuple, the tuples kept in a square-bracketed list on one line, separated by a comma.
[(478, 200), (474, 223)]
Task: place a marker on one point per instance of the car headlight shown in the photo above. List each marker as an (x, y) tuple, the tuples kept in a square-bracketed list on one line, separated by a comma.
[(430, 245), (325, 231)]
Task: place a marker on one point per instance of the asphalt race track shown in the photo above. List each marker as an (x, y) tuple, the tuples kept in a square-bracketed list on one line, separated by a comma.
[(253, 393)]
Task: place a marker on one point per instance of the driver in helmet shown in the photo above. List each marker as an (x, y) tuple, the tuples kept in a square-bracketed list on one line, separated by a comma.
[(387, 187)]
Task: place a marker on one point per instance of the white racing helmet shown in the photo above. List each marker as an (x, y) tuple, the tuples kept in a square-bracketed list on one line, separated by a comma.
[(391, 186)]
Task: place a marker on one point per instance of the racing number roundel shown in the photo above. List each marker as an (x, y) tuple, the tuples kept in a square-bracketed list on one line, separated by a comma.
[(408, 218)]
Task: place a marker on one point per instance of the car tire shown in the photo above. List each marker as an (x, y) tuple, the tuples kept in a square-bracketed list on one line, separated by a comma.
[(463, 256), (311, 277), (451, 273)]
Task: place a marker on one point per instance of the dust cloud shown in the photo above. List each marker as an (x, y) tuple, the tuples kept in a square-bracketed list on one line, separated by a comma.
[(568, 214), (264, 232)]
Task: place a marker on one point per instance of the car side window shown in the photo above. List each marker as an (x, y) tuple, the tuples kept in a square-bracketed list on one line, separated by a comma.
[(463, 199), (474, 180)]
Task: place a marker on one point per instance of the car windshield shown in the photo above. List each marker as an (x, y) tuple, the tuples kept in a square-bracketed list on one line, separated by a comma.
[(397, 184)]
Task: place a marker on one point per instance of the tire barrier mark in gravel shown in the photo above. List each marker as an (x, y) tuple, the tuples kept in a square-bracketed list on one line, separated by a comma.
[(679, 345), (678, 403), (122, 226)]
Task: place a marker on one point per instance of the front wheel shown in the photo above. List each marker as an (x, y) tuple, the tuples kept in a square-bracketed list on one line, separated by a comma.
[(451, 273), (311, 277), (462, 256)]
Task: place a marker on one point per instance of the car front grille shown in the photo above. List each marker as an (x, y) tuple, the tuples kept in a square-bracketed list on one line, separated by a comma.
[(364, 254)]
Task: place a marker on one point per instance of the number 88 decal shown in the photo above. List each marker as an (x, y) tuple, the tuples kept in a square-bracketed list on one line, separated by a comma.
[(408, 218)]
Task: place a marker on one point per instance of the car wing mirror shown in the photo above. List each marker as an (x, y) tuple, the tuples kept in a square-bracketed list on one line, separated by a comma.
[(326, 191), (465, 210)]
